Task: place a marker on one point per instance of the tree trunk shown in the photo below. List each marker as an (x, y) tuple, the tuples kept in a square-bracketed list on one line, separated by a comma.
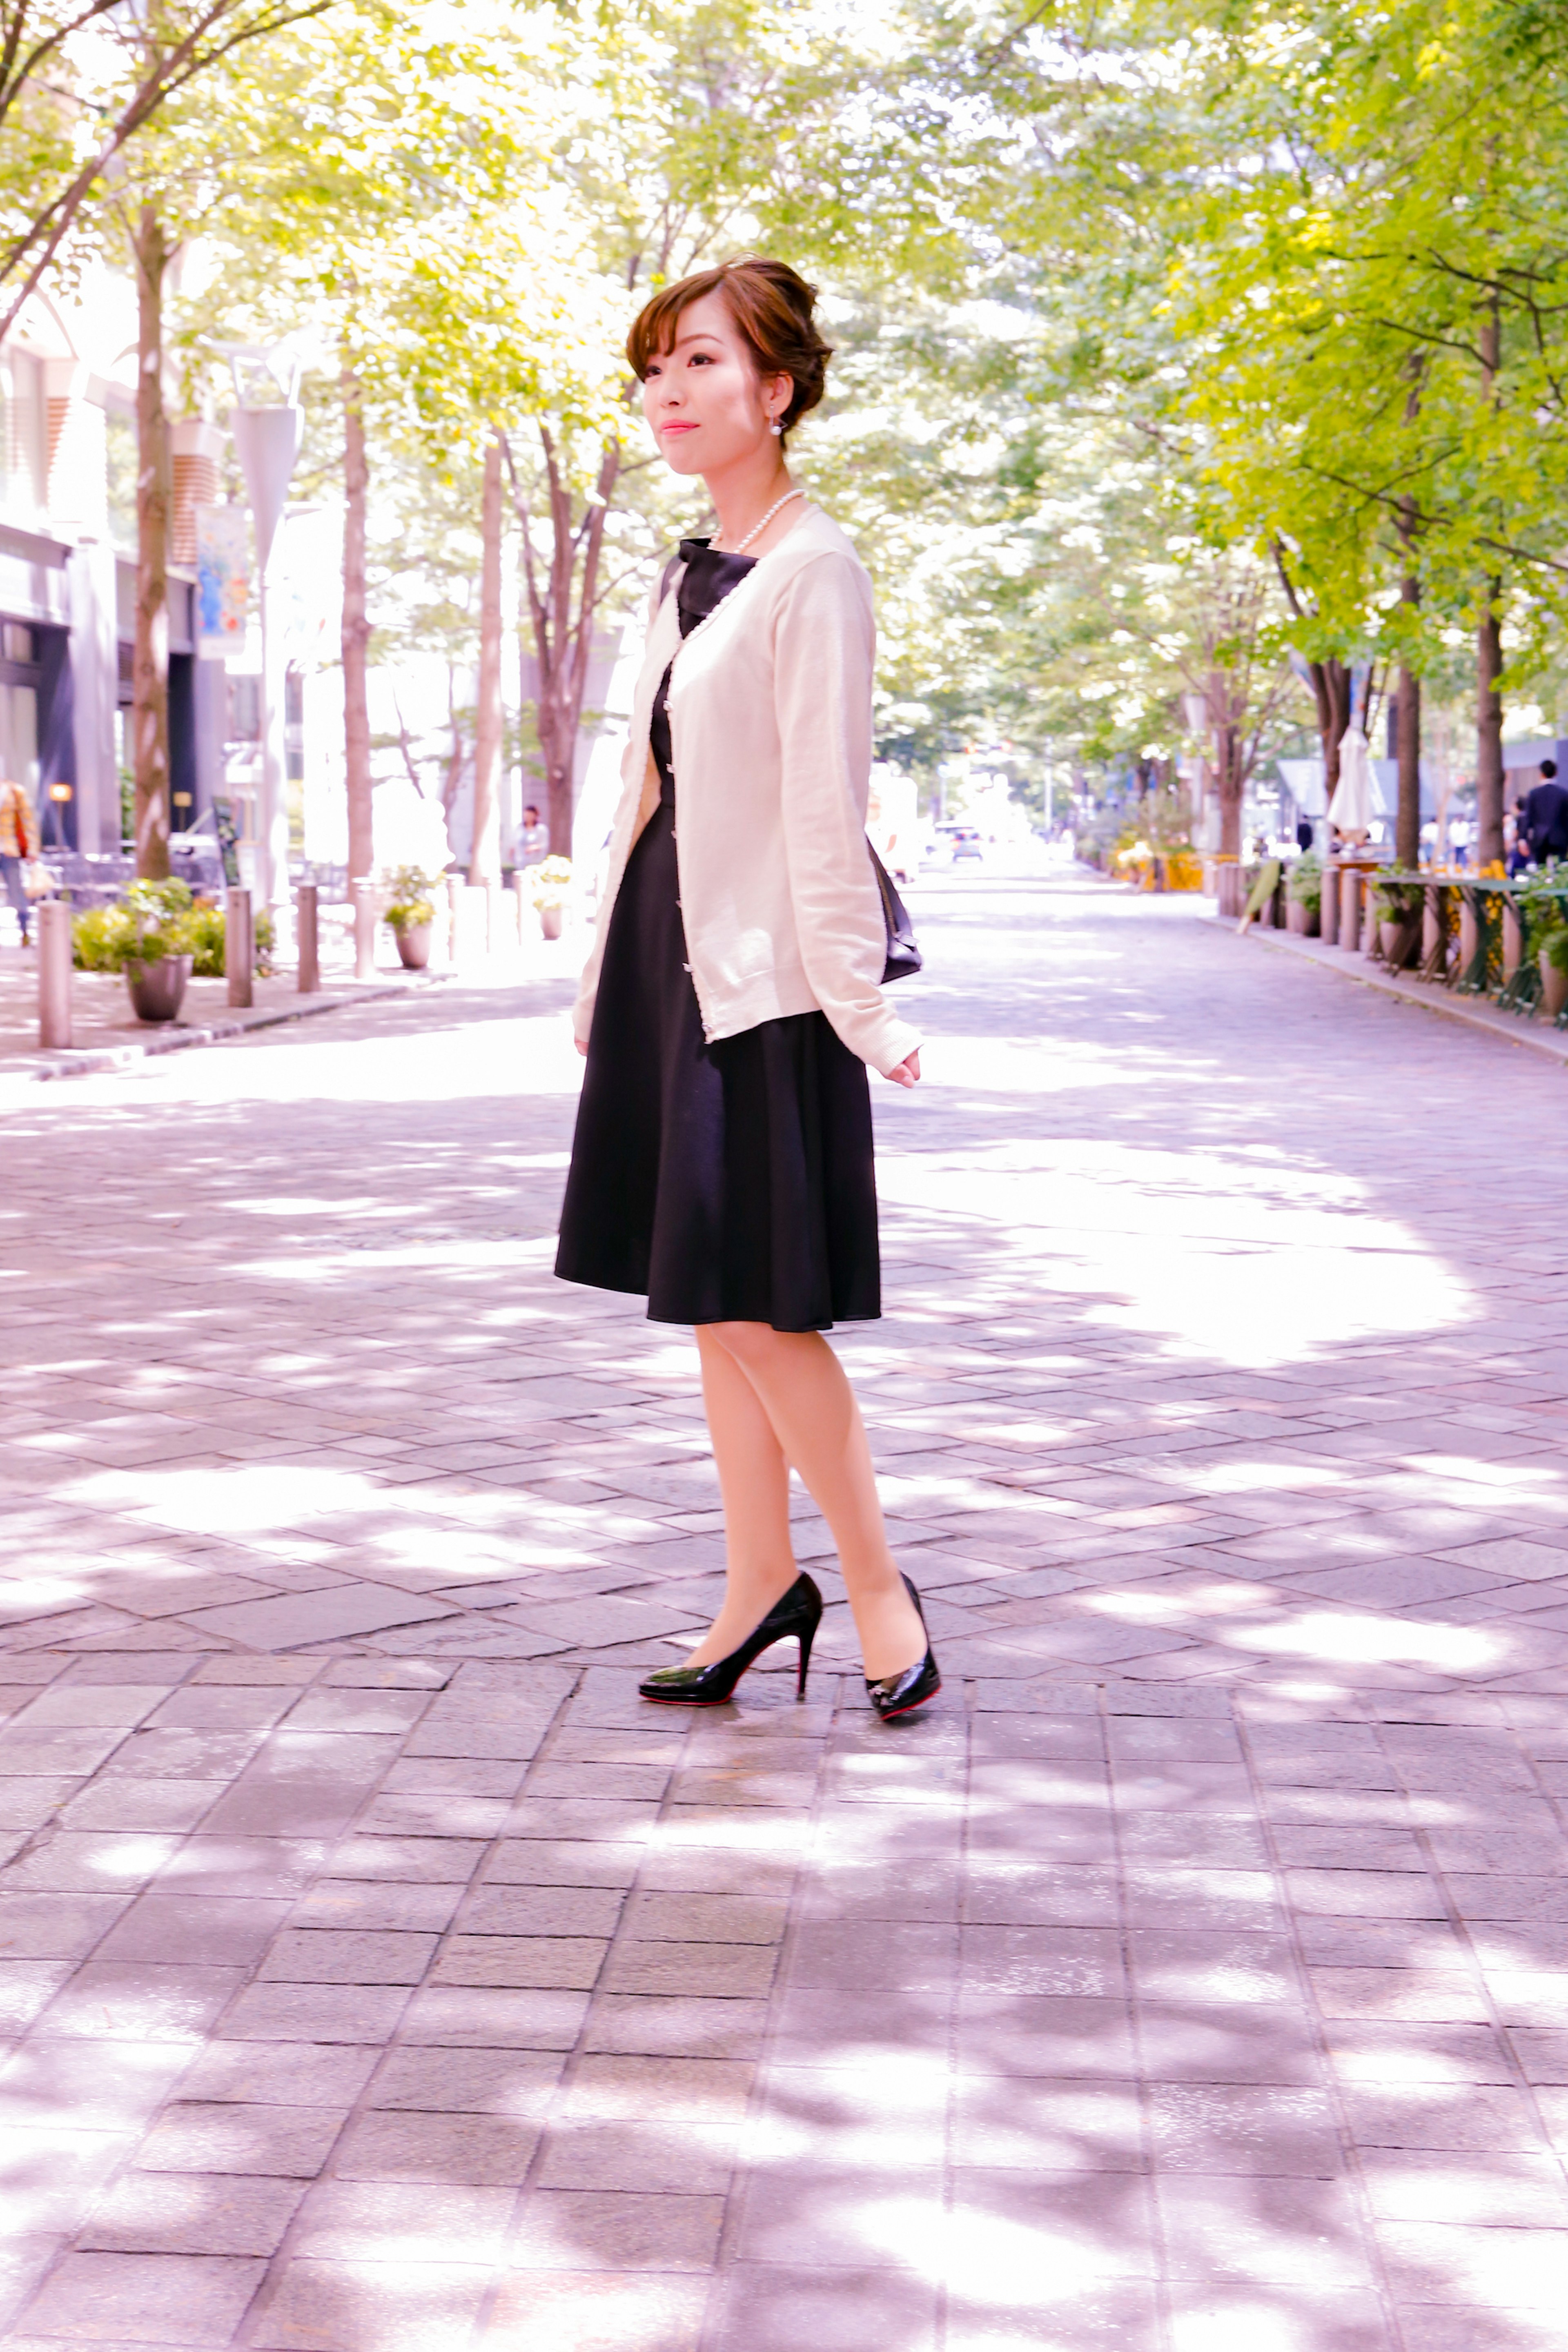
[(562, 610), (1407, 721), (1332, 683), (1232, 789), (484, 860), (1489, 640), (1488, 731), (1407, 745), (1407, 707), (150, 666), (356, 633)]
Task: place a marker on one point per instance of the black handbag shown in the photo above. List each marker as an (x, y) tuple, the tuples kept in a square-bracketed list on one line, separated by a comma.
[(904, 957)]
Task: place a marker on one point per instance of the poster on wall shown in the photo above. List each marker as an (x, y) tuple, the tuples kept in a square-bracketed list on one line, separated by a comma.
[(223, 579)]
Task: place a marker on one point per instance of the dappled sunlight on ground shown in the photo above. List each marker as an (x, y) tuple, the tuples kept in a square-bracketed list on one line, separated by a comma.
[(380, 1972)]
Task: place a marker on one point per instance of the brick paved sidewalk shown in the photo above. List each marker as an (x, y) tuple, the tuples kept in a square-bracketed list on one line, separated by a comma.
[(105, 1031), (379, 1972)]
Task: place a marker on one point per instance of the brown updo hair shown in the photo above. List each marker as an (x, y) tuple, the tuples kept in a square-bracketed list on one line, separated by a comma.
[(771, 304)]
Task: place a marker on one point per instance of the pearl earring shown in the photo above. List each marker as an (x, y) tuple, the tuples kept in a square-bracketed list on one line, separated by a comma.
[(773, 425)]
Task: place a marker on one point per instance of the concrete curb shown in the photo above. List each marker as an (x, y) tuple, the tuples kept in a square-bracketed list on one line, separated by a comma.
[(90, 1059), (1512, 1028)]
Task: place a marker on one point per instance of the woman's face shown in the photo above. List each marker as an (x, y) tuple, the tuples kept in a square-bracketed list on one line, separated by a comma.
[(704, 399)]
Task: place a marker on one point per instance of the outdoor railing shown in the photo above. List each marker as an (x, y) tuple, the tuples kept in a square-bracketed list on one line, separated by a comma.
[(1478, 935)]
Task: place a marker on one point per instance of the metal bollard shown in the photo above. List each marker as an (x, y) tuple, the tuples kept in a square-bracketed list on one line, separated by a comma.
[(522, 899), (54, 917), (365, 930), (240, 947), (308, 920)]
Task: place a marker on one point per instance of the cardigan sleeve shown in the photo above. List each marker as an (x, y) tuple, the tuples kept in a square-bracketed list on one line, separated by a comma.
[(824, 649)]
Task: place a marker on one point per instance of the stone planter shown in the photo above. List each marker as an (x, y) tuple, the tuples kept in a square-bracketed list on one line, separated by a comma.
[(549, 921), (1397, 939), (158, 989), (414, 946), (1303, 920), (1553, 987)]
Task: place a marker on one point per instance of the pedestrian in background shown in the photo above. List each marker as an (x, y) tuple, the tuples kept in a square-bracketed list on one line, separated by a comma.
[(1543, 816), (722, 1159), (534, 843), (19, 839)]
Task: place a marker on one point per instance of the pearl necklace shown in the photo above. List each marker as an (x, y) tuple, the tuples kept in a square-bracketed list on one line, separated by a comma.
[(757, 529)]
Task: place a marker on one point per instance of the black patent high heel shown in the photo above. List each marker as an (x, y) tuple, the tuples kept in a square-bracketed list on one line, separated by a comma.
[(799, 1612), (897, 1694)]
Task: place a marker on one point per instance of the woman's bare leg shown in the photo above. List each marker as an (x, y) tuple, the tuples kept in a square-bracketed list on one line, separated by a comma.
[(753, 1480), (809, 1406)]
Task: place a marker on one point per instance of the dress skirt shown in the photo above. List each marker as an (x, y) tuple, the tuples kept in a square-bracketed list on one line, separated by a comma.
[(729, 1182)]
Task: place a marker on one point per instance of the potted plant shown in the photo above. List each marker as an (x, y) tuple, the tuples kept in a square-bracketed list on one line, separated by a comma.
[(1304, 897), (209, 933), (151, 937), (1554, 958), (552, 886), (1399, 906), (411, 917)]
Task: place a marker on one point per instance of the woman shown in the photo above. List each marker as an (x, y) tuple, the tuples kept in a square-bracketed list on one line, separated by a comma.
[(723, 1159), (18, 840)]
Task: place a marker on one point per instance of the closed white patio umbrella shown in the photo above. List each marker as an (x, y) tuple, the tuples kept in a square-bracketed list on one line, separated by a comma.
[(1350, 808)]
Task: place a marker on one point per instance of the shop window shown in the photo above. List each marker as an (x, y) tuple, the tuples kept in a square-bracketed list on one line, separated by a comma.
[(19, 737), (244, 710)]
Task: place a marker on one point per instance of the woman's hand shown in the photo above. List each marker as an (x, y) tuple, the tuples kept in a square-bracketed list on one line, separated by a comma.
[(907, 1074)]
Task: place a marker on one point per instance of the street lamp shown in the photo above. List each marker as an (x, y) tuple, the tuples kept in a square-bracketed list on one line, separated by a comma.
[(266, 436)]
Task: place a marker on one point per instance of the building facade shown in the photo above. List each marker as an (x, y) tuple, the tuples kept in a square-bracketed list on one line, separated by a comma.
[(67, 591)]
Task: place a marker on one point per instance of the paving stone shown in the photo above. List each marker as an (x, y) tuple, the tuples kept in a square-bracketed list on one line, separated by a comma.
[(561, 2311), (200, 2213), (291, 2142), (397, 2305), (322, 1956), (515, 2082), (164, 2299), (429, 2222), (601, 2230), (135, 2001), (473, 2150), (669, 2159), (280, 2074)]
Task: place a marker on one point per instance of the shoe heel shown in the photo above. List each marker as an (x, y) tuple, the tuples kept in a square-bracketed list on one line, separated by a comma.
[(806, 1639)]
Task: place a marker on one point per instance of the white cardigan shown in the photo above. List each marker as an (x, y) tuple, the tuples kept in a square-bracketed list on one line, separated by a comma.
[(769, 713)]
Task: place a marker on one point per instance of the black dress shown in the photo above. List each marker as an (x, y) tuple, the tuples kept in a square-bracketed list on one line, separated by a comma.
[(729, 1182)]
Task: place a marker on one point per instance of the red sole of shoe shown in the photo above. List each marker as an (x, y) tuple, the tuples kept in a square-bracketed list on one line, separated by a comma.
[(685, 1702), (898, 1711)]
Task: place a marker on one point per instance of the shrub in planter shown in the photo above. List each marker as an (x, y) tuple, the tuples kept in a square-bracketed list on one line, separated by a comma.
[(1398, 906), (411, 916), (102, 937), (209, 931), (150, 937), (1304, 896), (1553, 957), (552, 886)]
